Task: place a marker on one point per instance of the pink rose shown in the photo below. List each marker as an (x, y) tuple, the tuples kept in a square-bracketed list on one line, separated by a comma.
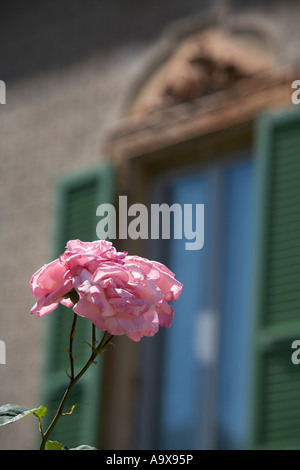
[(161, 275), (54, 280), (80, 254), (51, 282), (129, 299), (120, 294)]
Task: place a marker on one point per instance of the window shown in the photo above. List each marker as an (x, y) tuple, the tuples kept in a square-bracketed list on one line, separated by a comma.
[(222, 376)]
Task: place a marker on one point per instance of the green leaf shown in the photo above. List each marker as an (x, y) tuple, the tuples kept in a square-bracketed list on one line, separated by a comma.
[(54, 445), (83, 447), (10, 413), (40, 412)]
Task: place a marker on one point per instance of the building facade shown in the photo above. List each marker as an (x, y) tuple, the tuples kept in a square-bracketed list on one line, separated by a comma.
[(181, 105)]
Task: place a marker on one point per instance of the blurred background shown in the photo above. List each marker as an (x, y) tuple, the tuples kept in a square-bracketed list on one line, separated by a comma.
[(162, 101)]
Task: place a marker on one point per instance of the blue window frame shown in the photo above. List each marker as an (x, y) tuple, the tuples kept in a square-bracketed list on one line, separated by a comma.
[(202, 392)]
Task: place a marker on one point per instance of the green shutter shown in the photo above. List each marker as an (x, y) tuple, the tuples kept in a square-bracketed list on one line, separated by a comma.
[(77, 199), (276, 400)]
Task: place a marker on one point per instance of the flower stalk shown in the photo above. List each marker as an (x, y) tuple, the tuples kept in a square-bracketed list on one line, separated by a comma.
[(96, 351)]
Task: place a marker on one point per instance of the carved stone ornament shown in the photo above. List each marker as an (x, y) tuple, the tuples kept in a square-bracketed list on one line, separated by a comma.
[(212, 79)]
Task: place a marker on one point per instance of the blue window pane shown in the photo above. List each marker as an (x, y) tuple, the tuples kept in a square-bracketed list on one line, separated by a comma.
[(236, 303), (204, 394), (179, 389)]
